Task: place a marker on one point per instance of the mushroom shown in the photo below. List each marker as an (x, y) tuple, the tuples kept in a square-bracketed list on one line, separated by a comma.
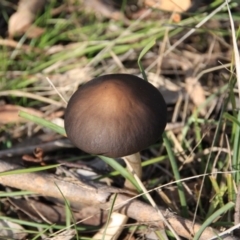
[(116, 115)]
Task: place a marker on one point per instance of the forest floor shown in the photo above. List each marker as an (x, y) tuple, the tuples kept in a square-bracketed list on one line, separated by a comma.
[(192, 174)]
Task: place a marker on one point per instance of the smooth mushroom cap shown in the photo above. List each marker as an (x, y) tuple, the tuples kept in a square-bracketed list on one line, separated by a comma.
[(115, 115)]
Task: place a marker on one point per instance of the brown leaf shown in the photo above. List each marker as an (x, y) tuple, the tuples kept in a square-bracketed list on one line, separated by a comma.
[(9, 113), (34, 31), (21, 21), (196, 93), (175, 6), (169, 5), (36, 158), (103, 9)]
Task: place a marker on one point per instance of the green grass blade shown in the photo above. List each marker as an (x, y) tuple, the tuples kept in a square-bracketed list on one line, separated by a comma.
[(69, 214), (231, 118), (144, 164), (109, 216), (42, 122), (236, 160), (230, 187), (43, 225), (38, 236), (15, 194), (142, 53), (127, 175), (28, 170), (210, 219), (176, 175)]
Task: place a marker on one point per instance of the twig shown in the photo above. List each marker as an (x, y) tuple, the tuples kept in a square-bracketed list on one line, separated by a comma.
[(49, 146), (48, 185)]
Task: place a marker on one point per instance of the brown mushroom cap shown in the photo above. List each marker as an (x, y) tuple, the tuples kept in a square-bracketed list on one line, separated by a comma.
[(115, 115)]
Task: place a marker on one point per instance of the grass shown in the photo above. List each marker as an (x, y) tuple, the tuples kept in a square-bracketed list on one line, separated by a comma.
[(200, 159)]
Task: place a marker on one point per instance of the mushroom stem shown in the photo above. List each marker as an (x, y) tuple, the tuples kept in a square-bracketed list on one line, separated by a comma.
[(135, 161)]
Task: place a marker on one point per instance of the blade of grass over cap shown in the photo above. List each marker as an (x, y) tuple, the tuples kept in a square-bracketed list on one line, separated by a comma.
[(142, 53), (43, 122)]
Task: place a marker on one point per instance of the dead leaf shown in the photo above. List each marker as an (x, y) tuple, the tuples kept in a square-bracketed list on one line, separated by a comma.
[(33, 6), (196, 93), (103, 9), (36, 158), (34, 31), (176, 6), (169, 5), (21, 21), (9, 113), (10, 230)]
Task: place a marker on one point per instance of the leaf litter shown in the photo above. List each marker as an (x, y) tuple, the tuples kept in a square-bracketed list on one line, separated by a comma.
[(65, 66)]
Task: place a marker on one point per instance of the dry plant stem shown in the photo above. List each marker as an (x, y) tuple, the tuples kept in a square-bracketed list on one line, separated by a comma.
[(46, 147), (18, 93), (150, 199), (133, 162), (48, 185)]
